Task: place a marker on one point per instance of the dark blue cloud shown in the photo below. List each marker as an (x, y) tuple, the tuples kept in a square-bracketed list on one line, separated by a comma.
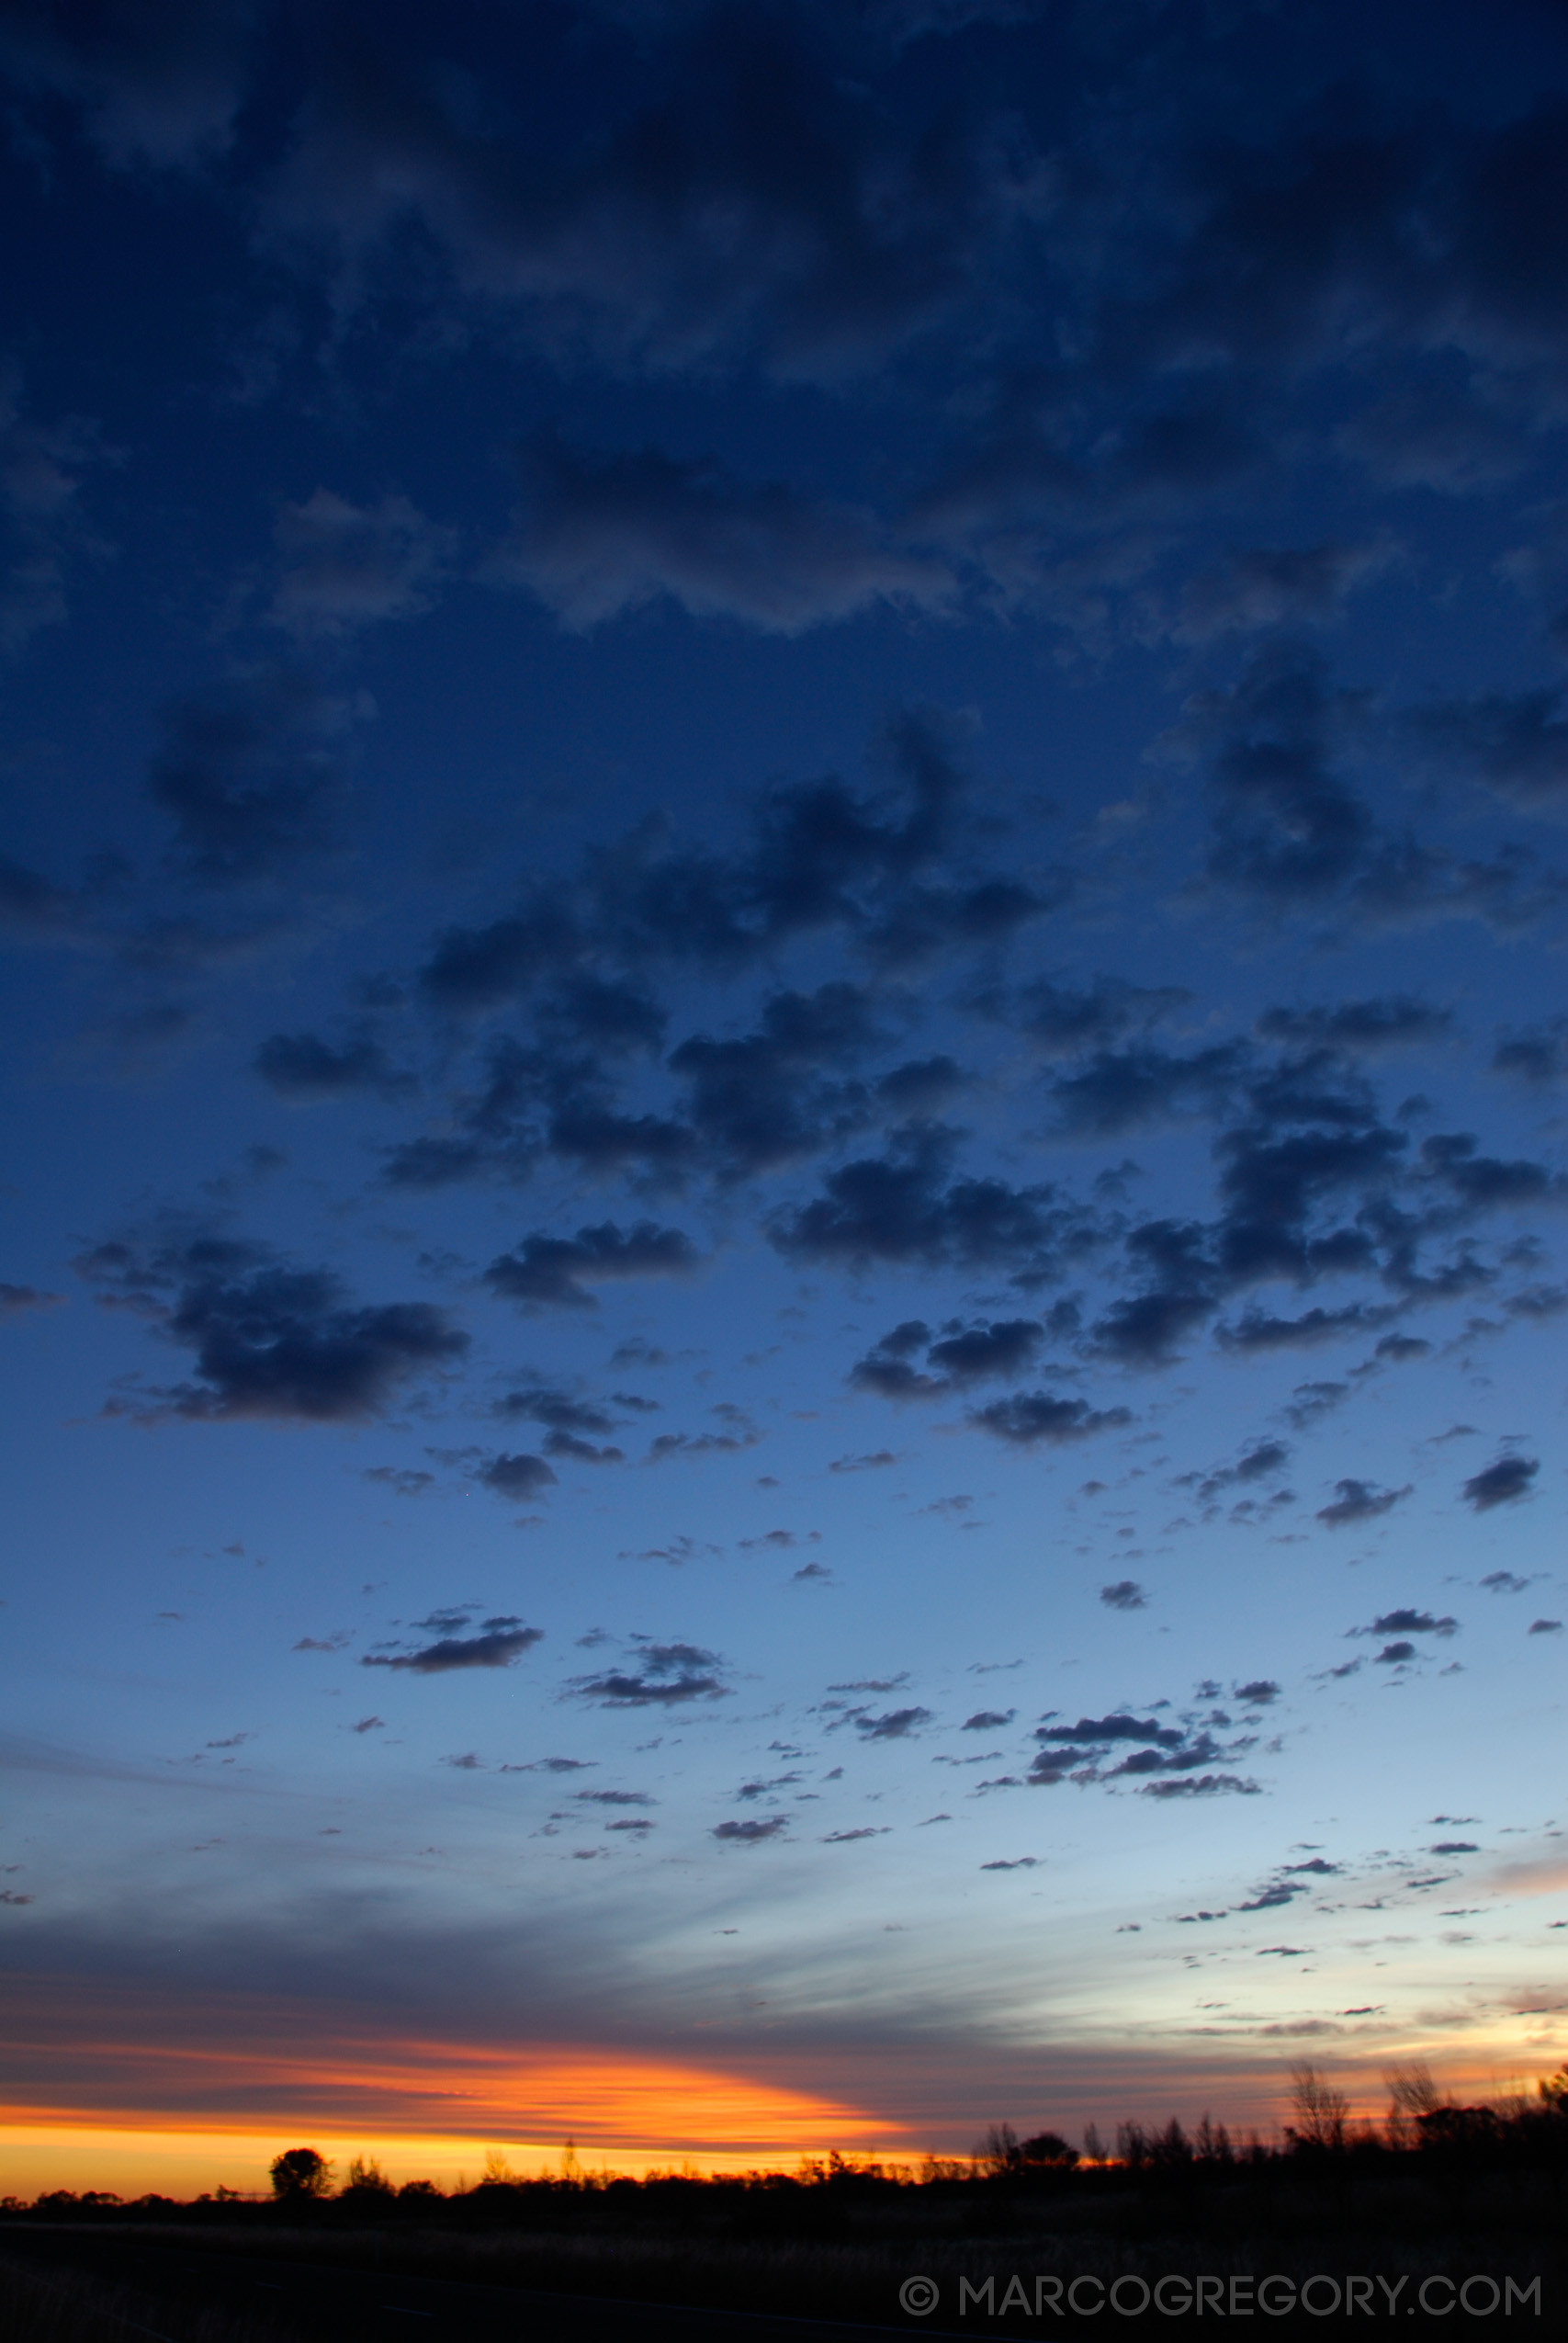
[(515, 1477), (557, 1272), (1026, 1419), (1121, 1090), (1356, 1501), (961, 1356), (1291, 832), (16, 1301), (302, 1065), (248, 773), (659, 1675), (1387, 1022), (1501, 1483), (500, 1646), (900, 1207), (268, 1339), (600, 535)]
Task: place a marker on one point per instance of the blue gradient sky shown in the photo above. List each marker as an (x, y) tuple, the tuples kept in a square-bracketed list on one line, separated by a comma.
[(783, 887)]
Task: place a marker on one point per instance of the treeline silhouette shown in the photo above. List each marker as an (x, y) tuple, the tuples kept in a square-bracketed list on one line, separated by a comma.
[(1424, 2132), (1436, 2194)]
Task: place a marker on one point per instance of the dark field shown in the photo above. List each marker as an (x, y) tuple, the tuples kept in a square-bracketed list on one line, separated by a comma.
[(1456, 2215)]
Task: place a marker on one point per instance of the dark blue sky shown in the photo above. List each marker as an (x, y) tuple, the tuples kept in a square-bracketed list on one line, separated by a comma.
[(783, 880)]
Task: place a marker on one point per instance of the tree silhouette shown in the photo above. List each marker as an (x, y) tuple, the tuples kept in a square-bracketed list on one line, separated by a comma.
[(366, 2181), (1322, 2112), (301, 2172), (1001, 2151), (1412, 2096)]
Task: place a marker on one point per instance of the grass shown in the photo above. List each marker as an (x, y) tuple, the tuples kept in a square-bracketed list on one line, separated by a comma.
[(63, 2306), (1295, 2230)]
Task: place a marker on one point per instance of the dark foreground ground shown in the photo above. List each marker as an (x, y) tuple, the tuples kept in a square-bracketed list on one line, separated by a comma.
[(87, 2285), (1453, 2235)]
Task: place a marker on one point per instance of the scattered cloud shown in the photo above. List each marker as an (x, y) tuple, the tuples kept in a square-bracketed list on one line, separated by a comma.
[(516, 1477), (249, 772), (302, 1068), (501, 1643), (1205, 1785), (1408, 1622), (343, 566), (661, 1676), (894, 1725), (401, 1479), (557, 1272), (599, 534), (1028, 1418), (16, 1301), (1356, 1501), (1502, 1482), (269, 1339)]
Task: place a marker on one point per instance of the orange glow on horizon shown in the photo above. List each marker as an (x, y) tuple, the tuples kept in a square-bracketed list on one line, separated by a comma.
[(39, 2151), (77, 2057), (137, 2089), (607, 2102), (424, 2111)]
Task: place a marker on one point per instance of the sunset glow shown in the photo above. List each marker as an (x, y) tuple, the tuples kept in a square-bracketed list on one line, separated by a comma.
[(632, 2118), (631, 2109), (548, 2114)]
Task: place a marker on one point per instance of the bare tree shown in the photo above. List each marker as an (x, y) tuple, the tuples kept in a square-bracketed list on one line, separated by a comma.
[(1322, 2112), (1413, 2092), (365, 2178), (998, 2150)]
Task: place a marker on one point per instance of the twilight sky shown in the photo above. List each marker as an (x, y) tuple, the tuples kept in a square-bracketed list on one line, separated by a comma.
[(784, 876)]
